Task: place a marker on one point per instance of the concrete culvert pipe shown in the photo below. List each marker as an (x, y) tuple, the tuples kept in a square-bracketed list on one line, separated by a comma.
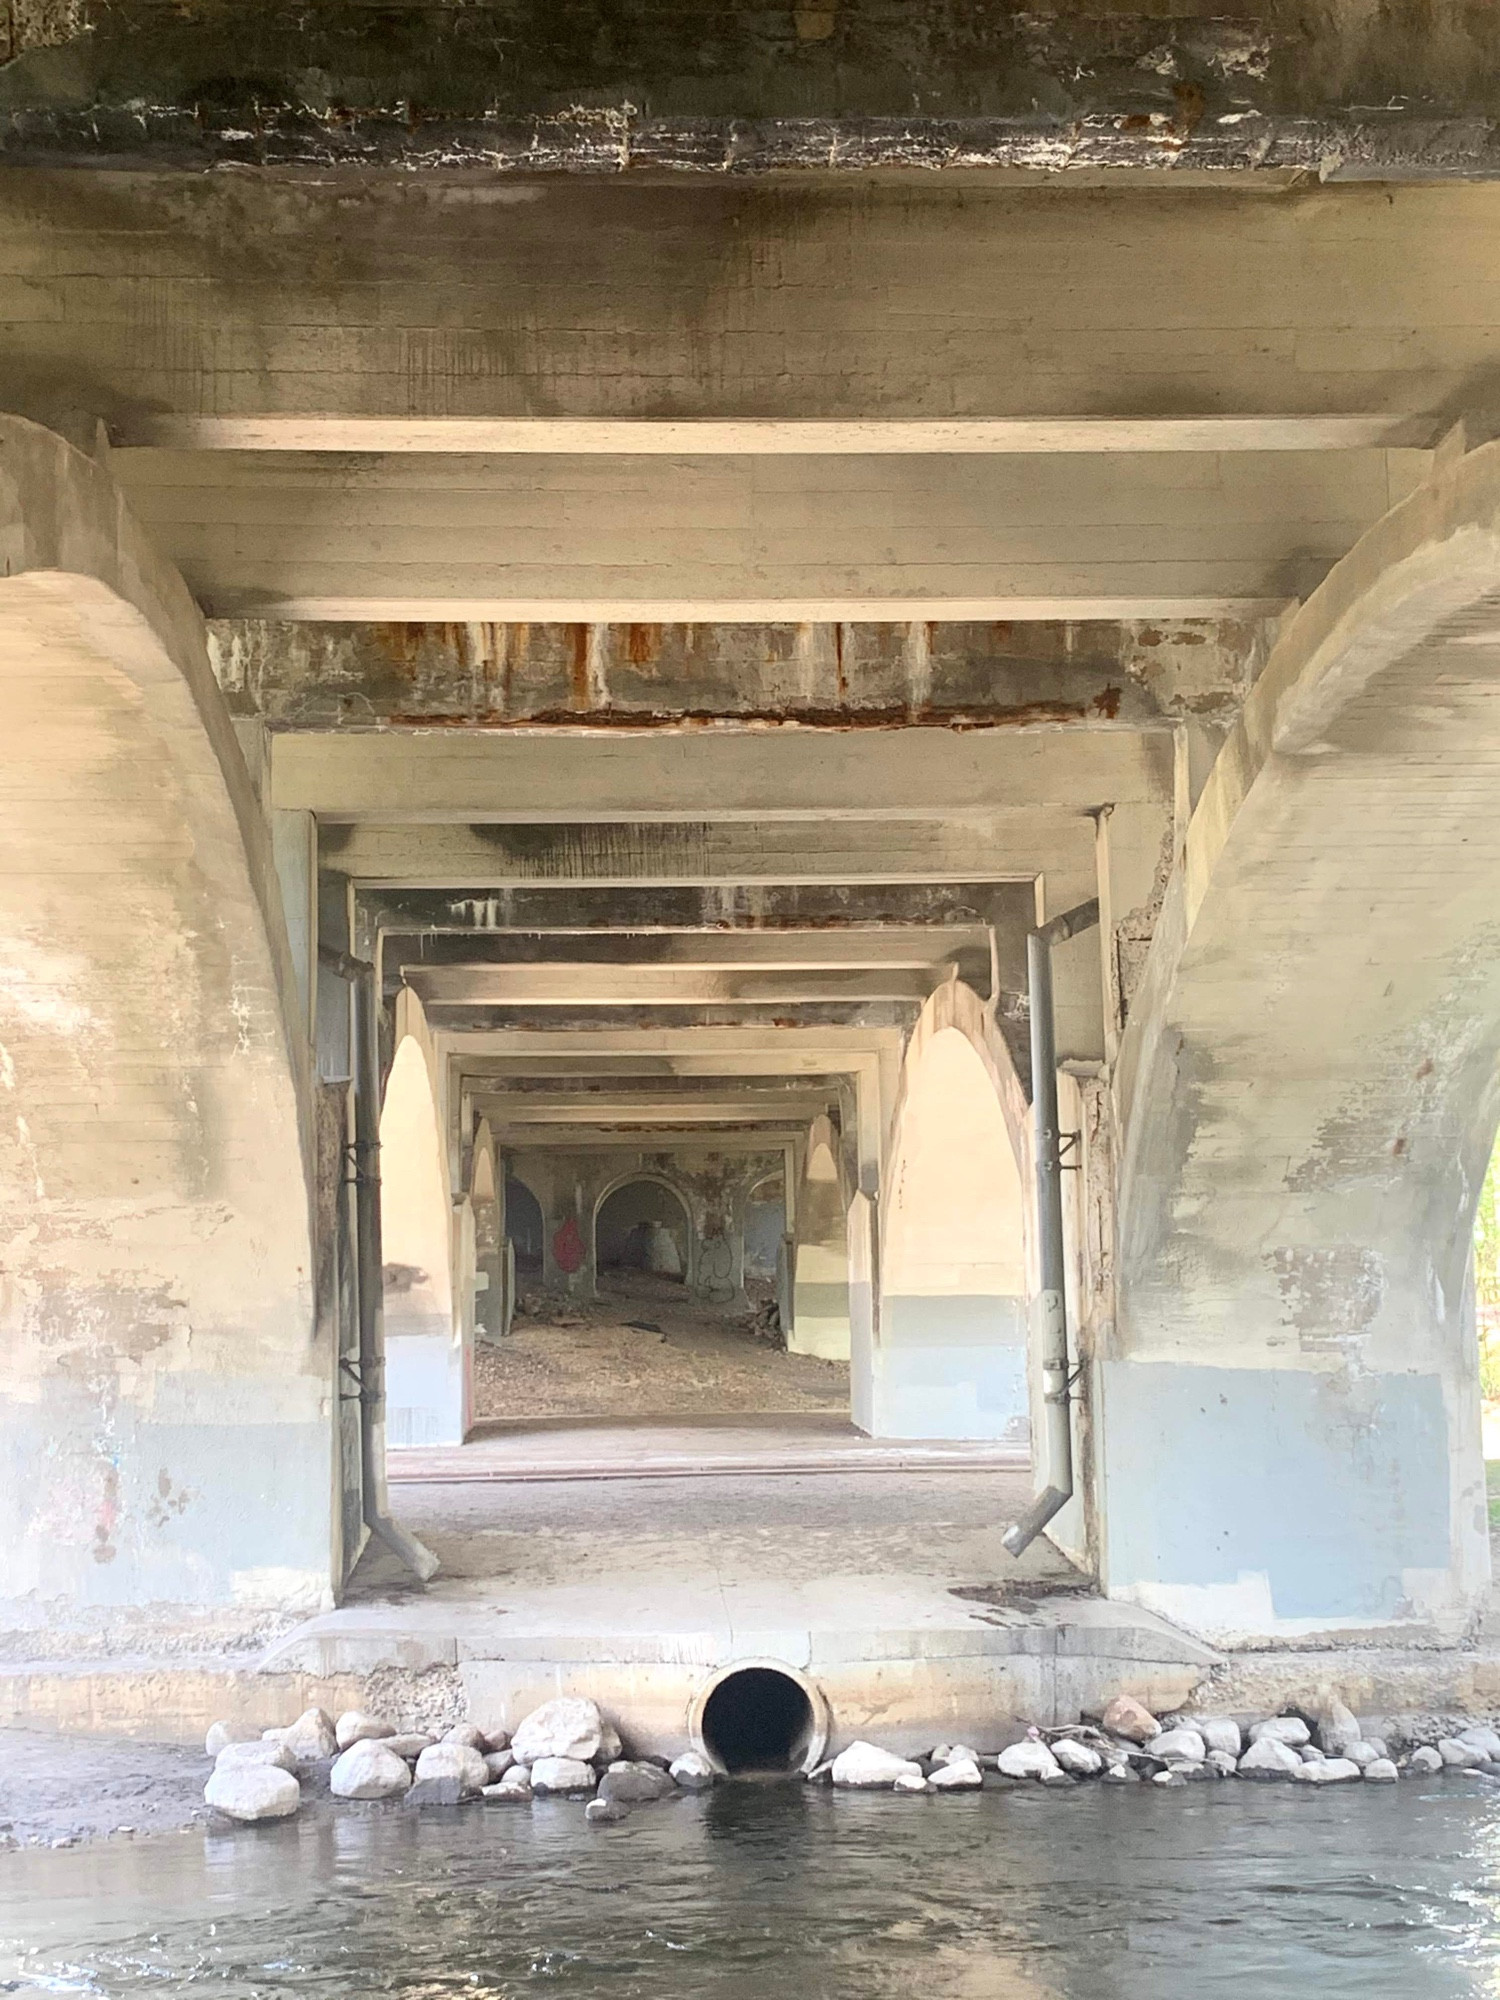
[(760, 1718)]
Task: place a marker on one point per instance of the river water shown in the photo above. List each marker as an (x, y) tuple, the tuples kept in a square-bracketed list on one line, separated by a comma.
[(789, 1892)]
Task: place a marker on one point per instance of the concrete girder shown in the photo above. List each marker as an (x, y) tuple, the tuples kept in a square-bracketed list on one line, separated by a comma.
[(541, 538), (1308, 1086), (752, 437), (627, 985), (1013, 846), (390, 920), (566, 778), (866, 946), (1130, 675), (584, 1106)]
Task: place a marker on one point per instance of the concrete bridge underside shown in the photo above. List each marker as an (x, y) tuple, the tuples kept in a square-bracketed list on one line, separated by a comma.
[(564, 800)]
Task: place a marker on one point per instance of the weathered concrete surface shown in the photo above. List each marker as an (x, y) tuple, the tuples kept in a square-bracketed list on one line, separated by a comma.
[(950, 1359), (409, 295), (1309, 1091), (164, 1405), (1131, 675), (500, 83)]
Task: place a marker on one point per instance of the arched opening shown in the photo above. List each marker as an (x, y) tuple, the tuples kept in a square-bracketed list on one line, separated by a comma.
[(758, 1719), (642, 1226), (765, 1227), (425, 1389), (524, 1227), (952, 1357), (820, 1266)]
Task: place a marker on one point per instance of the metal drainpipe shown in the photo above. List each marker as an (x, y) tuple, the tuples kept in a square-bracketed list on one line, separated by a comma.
[(369, 1285), (1051, 1302)]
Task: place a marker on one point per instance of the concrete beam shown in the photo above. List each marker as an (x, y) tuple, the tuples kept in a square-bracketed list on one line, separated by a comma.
[(906, 946), (509, 1110), (540, 537), (559, 778), (757, 437), (1008, 847), (660, 986), (392, 919)]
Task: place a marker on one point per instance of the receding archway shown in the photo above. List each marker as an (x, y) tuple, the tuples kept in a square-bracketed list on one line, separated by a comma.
[(951, 1359), (525, 1227), (642, 1224), (426, 1391)]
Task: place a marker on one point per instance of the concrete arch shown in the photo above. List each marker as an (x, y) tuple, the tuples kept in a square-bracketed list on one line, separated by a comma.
[(427, 1355), (950, 1356), (1308, 1093), (165, 1401), (656, 1178), (820, 1261), (487, 1200)]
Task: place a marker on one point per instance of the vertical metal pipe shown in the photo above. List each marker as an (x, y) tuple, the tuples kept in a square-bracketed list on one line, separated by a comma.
[(1051, 1304), (369, 1284)]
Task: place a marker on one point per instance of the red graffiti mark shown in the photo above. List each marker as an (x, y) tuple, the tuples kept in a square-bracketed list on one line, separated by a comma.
[(567, 1246)]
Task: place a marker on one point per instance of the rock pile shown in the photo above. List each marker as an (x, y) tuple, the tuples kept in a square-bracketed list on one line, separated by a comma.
[(1130, 1745), (568, 1749), (565, 1749)]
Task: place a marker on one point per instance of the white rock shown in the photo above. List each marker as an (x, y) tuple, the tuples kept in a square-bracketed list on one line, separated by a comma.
[(310, 1737), (264, 1752), (912, 1781), (955, 1753), (1269, 1757), (496, 1739), (454, 1760), (1219, 1733), (1363, 1754), (1381, 1772), (961, 1775), (1079, 1760), (1458, 1756), (252, 1791), (568, 1775), (367, 1770), (1339, 1729), (468, 1735), (1281, 1729), (693, 1771), (1310, 1753), (1177, 1746), (865, 1767), (1427, 1760), (513, 1789), (411, 1745), (1485, 1741), (1222, 1762), (222, 1733), (610, 1746), (570, 1726), (1126, 1717), (497, 1763), (1030, 1759), (1329, 1771), (354, 1726)]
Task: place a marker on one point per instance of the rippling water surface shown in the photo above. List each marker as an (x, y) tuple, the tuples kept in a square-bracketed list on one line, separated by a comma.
[(784, 1892)]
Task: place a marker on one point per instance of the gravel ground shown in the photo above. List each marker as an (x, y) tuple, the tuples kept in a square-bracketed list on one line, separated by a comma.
[(683, 1358)]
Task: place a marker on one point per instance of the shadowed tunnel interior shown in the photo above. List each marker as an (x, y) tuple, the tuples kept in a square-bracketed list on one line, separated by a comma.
[(758, 1720)]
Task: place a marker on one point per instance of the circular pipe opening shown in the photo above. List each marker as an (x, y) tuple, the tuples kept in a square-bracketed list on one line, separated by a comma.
[(760, 1717)]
